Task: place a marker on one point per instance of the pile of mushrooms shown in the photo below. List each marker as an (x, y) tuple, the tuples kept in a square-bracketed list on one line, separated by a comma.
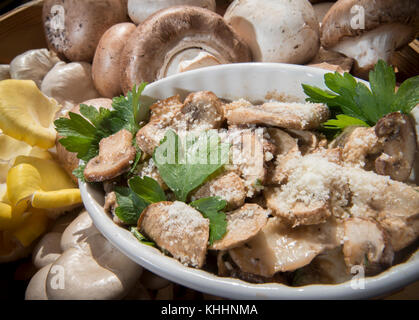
[(75, 262)]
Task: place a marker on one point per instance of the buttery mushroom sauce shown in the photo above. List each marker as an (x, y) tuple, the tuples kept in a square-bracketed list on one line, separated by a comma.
[(258, 192)]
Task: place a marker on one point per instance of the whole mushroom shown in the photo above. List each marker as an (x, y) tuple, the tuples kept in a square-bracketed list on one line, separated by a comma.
[(70, 84), (89, 268), (276, 30), (73, 27), (152, 51), (140, 10), (369, 30), (33, 65), (105, 68)]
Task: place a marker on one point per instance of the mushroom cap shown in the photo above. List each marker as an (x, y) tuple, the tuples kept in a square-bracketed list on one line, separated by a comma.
[(33, 65), (105, 68), (140, 10), (84, 23), (93, 268), (276, 30), (152, 45), (47, 250), (337, 22), (36, 289), (70, 83)]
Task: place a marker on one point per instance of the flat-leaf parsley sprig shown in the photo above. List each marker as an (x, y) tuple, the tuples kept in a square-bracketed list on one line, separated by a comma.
[(356, 104), (81, 134)]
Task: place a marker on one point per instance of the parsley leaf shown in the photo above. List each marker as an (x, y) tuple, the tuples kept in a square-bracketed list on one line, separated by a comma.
[(147, 188), (211, 208), (128, 111), (141, 238), (343, 121), (82, 133), (185, 166), (356, 100), (130, 205), (79, 172)]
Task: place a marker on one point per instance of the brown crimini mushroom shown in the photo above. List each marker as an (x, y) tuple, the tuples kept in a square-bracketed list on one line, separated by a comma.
[(369, 30), (73, 27), (156, 42), (140, 10), (105, 68)]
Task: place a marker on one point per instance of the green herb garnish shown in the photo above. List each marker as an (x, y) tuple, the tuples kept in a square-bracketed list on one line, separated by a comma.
[(82, 133), (185, 166), (141, 238), (359, 105), (211, 208), (130, 205)]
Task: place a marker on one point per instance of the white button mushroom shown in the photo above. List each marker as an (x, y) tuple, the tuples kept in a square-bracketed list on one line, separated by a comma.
[(276, 30), (152, 51), (369, 30), (139, 10), (70, 84), (36, 289), (33, 65), (73, 28)]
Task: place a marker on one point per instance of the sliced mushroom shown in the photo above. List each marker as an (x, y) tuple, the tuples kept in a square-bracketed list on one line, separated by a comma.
[(276, 31), (298, 212), (359, 146), (280, 248), (116, 153), (162, 116), (227, 268), (242, 225), (201, 111), (398, 137), (105, 67), (366, 244), (73, 28), (307, 141), (228, 186), (140, 10), (155, 43), (248, 157), (67, 159), (177, 228), (283, 142), (33, 65), (70, 84), (369, 30), (327, 268), (300, 116), (312, 188)]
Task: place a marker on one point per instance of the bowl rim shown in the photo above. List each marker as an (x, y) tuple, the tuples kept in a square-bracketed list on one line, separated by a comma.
[(392, 279)]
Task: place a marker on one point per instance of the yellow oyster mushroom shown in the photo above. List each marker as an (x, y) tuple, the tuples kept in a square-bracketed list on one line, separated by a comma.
[(34, 225), (26, 114)]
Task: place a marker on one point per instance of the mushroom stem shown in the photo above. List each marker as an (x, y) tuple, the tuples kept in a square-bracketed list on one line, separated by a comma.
[(379, 43)]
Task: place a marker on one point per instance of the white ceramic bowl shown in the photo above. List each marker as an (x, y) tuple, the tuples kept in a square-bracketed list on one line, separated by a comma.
[(252, 81)]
